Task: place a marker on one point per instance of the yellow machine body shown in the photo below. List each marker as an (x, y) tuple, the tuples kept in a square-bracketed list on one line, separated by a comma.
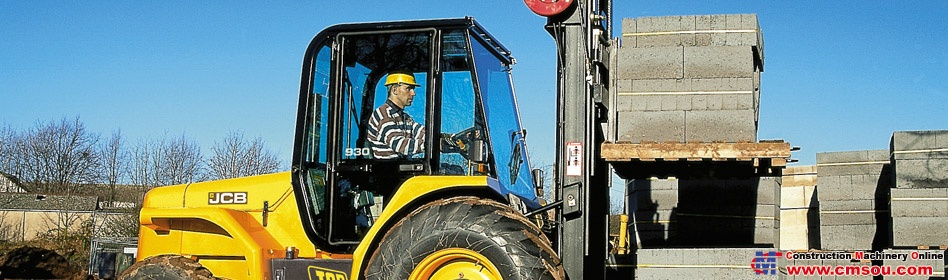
[(225, 226)]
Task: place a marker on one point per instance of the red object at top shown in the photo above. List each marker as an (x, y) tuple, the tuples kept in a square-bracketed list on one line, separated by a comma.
[(548, 8)]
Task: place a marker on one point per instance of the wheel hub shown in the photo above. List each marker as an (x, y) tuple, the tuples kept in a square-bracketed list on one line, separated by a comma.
[(455, 263)]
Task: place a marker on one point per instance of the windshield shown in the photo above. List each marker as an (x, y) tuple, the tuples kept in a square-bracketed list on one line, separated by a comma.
[(500, 109)]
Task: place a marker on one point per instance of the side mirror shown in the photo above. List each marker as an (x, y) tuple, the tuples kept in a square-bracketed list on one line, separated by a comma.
[(538, 181), (477, 151)]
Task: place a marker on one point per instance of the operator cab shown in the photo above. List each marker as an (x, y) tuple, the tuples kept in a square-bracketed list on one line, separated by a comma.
[(463, 102)]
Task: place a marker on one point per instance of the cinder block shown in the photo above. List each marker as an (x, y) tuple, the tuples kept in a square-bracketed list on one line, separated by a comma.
[(658, 184), (848, 205), (703, 23), (628, 25), (656, 199), (794, 229), (802, 175), (871, 162), (721, 125), (793, 197), (655, 86), (919, 231), (917, 173), (733, 23), (847, 237), (841, 218), (631, 103), (650, 63), (661, 126), (722, 84), (919, 140), (842, 157), (919, 202), (647, 25), (833, 188), (718, 62), (718, 22), (688, 23)]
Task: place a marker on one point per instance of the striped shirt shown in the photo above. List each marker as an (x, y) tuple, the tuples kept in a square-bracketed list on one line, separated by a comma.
[(393, 133)]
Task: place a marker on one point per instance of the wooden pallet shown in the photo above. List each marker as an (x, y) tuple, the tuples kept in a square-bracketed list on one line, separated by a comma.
[(777, 152), (690, 159)]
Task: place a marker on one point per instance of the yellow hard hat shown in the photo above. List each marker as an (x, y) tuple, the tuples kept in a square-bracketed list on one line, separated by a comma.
[(401, 77)]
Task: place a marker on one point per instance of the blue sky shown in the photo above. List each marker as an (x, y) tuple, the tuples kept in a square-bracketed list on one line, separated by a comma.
[(839, 76)]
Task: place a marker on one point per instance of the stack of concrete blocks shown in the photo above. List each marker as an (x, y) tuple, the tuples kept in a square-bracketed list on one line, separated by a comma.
[(853, 190), (799, 211), (706, 213), (688, 79), (707, 263), (925, 258), (920, 197)]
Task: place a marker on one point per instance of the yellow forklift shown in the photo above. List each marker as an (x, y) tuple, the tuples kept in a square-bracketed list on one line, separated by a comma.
[(453, 198)]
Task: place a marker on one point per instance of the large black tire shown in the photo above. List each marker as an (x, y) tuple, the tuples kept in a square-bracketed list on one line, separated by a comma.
[(499, 238), (170, 267)]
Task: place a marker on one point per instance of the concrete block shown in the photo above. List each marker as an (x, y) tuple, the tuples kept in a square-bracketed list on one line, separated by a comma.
[(688, 23), (650, 63), (919, 231), (848, 205), (842, 218), (628, 25), (871, 162), (847, 237), (919, 140), (842, 157), (631, 103), (721, 125), (749, 21), (718, 62), (659, 86), (722, 84), (636, 127), (703, 23), (718, 22), (793, 197), (833, 188), (715, 102), (919, 202), (916, 174), (733, 23), (647, 25), (794, 229), (757, 90), (652, 102), (656, 199), (799, 176), (658, 184)]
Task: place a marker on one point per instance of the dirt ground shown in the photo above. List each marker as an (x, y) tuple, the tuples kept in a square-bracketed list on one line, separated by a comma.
[(26, 262)]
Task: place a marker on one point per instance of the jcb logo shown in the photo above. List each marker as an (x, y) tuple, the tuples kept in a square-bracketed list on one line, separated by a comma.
[(319, 273), (227, 198)]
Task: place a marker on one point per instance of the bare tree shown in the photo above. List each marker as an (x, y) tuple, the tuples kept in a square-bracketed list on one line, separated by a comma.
[(236, 157), (113, 161), (179, 161), (59, 157), (166, 162), (10, 156)]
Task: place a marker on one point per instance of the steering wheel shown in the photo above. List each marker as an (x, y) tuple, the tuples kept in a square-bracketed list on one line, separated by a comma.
[(459, 142)]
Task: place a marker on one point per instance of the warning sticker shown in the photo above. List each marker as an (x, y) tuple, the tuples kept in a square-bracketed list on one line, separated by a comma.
[(574, 159)]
